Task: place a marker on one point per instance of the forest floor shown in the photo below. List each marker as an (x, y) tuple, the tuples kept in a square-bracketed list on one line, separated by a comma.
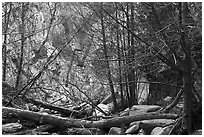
[(40, 118)]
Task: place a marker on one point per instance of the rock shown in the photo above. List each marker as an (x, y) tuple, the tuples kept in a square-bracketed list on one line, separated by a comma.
[(167, 130), (146, 107), (197, 132), (104, 107), (132, 129), (139, 109), (135, 123), (161, 131), (115, 131), (11, 127), (157, 131), (125, 112), (149, 125), (141, 132), (86, 132)]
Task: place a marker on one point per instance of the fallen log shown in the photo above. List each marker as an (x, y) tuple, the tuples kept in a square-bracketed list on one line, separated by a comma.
[(70, 122), (64, 111)]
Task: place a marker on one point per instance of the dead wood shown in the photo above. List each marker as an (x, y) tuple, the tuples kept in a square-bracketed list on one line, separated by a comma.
[(62, 110), (174, 102), (70, 122)]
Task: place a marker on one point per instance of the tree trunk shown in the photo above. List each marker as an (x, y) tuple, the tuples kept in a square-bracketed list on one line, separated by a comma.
[(64, 111), (107, 63), (6, 21), (70, 122), (119, 62), (22, 31), (124, 54), (187, 66), (130, 58), (132, 54)]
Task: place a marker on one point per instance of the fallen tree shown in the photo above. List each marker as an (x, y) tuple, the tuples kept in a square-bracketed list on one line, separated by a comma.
[(62, 110), (44, 118)]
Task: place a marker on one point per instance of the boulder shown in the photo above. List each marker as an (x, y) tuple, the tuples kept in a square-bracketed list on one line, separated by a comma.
[(157, 131), (133, 129), (197, 132), (115, 131), (140, 109), (11, 127), (149, 125), (104, 107), (161, 131), (125, 112), (135, 123)]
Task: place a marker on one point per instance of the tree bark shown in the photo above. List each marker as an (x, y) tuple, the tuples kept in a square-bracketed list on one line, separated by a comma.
[(6, 22), (22, 32), (107, 63), (119, 62), (130, 57), (132, 60), (64, 111), (70, 122), (187, 66)]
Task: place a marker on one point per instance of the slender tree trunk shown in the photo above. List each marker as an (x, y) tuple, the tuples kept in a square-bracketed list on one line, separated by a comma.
[(124, 47), (187, 66), (132, 54), (4, 55), (125, 62), (119, 62), (128, 57), (22, 31), (131, 74), (105, 50)]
